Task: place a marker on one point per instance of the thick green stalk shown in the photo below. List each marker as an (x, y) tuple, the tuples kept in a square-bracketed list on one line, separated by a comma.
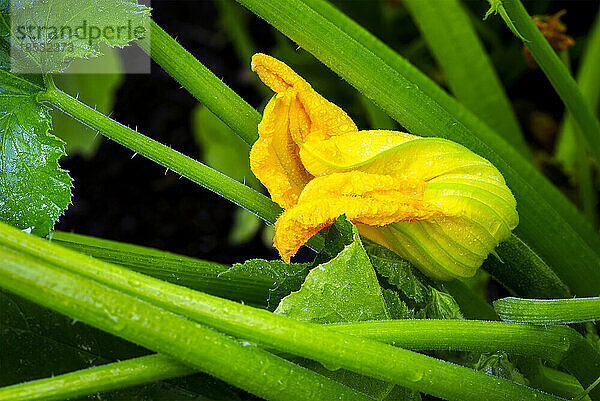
[(447, 28), (204, 276), (549, 223), (241, 364), (107, 377), (550, 344), (557, 74), (548, 311), (194, 273), (30, 277), (202, 83)]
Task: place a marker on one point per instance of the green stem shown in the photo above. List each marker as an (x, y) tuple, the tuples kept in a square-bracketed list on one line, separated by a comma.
[(107, 377), (447, 28), (202, 83), (549, 223), (366, 357), (205, 276), (549, 343), (548, 311), (557, 74), (194, 273)]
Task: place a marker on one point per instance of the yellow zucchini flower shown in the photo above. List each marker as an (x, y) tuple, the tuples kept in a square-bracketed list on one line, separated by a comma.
[(430, 200)]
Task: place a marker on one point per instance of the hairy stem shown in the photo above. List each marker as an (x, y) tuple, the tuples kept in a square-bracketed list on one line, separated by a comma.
[(548, 311), (30, 276), (201, 174)]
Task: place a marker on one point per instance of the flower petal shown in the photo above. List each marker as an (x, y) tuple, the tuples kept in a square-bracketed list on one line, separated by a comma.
[(295, 113), (431, 200), (274, 158), (394, 153), (475, 210), (314, 116), (370, 199), (348, 150)]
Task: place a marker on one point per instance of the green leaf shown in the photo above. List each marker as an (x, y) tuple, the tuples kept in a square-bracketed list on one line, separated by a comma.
[(497, 364), (345, 289), (283, 277), (413, 285), (441, 305), (398, 271), (71, 29), (34, 190), (337, 237), (397, 308), (97, 90)]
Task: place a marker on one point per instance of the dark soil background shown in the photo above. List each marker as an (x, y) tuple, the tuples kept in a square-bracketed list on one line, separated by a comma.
[(133, 200)]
